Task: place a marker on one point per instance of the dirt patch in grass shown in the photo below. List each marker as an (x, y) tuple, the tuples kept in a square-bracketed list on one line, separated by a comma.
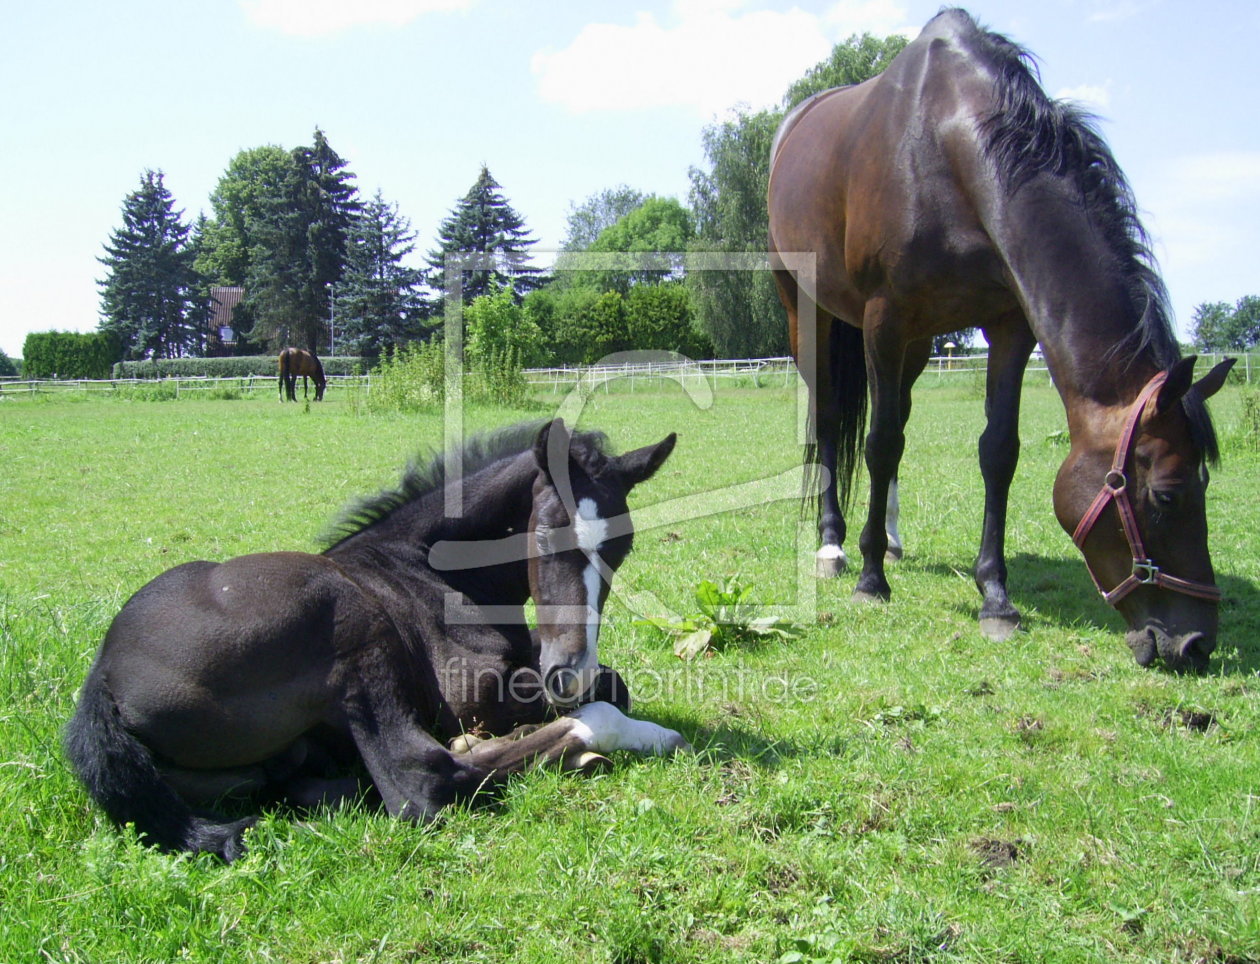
[(995, 854)]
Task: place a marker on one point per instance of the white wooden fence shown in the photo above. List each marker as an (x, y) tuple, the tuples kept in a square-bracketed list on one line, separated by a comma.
[(633, 376)]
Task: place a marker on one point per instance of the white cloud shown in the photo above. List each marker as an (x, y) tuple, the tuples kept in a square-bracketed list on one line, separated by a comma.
[(1114, 12), (314, 18), (712, 55), (876, 17), (1204, 211), (1093, 97)]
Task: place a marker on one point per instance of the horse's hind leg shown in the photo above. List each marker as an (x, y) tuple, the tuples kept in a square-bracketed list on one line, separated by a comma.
[(1010, 344), (885, 442)]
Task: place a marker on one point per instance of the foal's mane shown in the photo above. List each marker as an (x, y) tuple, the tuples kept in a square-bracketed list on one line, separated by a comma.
[(1030, 134), (428, 473)]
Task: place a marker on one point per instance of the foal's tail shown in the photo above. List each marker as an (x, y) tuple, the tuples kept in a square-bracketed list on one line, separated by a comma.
[(120, 775), (841, 418)]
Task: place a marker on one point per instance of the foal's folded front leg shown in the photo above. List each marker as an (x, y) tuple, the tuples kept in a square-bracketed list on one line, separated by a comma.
[(575, 742)]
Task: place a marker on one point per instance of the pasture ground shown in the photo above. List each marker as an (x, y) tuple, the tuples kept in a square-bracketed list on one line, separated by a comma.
[(888, 787)]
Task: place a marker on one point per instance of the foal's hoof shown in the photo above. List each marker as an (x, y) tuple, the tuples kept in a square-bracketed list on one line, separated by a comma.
[(586, 763), (464, 743), (829, 562), (998, 629)]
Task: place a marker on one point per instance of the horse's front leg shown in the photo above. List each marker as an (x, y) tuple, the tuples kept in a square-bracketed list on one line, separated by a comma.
[(885, 442), (1010, 344), (414, 774)]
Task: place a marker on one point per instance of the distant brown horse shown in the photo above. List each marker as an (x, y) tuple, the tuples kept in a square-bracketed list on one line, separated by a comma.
[(299, 361), (951, 192)]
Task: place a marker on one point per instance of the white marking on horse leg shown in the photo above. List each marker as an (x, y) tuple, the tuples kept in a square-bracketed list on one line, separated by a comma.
[(830, 561), (603, 728), (892, 514)]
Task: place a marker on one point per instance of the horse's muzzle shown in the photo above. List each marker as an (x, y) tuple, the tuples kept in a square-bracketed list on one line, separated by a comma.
[(1186, 652)]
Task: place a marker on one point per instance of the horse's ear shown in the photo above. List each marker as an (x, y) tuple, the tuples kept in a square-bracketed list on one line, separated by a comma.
[(641, 464), (1180, 380), (1211, 383), (1175, 386), (552, 442)]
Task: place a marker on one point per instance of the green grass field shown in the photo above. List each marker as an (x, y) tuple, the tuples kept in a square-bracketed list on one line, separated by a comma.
[(888, 787)]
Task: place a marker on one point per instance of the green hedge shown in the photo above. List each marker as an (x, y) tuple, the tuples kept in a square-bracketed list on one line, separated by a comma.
[(68, 354), (240, 367)]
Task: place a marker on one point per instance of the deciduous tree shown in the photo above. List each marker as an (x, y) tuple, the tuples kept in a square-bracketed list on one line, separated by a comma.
[(588, 220), (739, 309), (1219, 326)]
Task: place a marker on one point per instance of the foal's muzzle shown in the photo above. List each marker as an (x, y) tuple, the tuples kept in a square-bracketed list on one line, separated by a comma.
[(564, 685)]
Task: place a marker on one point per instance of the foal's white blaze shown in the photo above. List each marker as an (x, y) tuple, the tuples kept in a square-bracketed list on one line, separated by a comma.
[(604, 728), (591, 531)]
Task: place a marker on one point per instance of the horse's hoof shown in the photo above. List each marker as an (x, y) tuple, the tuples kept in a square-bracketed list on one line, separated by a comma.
[(587, 763), (998, 629), (868, 597), (830, 562), (893, 554)]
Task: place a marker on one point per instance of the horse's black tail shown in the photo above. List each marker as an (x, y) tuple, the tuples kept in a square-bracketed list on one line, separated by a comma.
[(284, 371), (841, 417), (120, 775)]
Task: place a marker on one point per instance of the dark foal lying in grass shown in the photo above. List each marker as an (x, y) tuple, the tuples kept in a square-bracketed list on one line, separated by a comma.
[(257, 676)]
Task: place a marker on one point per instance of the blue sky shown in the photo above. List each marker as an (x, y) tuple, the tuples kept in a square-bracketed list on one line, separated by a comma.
[(560, 100)]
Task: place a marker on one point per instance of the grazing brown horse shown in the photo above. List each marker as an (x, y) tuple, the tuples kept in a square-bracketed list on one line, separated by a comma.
[(298, 361), (951, 192), (265, 675)]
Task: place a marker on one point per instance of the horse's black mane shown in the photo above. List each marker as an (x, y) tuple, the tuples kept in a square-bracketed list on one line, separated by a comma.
[(428, 473), (1030, 134)]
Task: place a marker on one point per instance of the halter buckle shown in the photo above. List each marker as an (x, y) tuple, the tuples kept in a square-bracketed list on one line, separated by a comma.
[(1145, 571), (1116, 481)]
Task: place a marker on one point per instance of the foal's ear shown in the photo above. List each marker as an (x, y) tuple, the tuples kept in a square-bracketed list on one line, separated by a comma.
[(552, 442), (641, 464)]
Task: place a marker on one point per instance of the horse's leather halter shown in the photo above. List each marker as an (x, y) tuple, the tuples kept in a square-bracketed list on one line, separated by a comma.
[(1115, 489)]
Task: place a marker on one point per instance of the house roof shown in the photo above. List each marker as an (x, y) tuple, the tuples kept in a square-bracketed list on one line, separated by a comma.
[(224, 301)]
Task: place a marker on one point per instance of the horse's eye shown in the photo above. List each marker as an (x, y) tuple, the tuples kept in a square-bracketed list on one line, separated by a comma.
[(1165, 499)]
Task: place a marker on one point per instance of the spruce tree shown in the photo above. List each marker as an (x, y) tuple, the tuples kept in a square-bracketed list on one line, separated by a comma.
[(298, 248), (378, 303), (150, 299), (483, 222)]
